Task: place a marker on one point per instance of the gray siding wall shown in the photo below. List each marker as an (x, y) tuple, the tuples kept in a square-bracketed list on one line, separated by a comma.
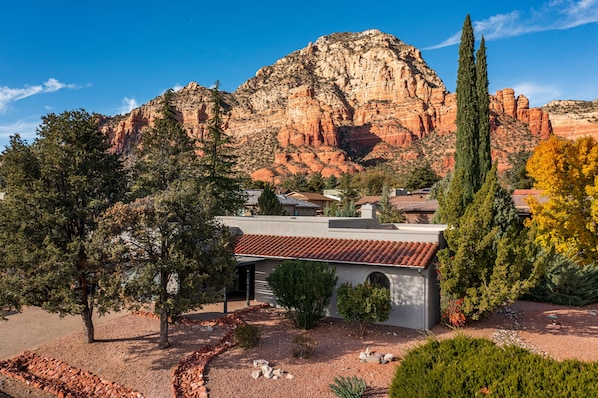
[(414, 295)]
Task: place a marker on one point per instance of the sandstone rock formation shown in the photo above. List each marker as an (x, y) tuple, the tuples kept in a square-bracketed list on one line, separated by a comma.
[(573, 119), (347, 101)]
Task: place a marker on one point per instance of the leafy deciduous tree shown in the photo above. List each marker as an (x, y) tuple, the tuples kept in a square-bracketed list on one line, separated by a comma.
[(421, 176), (566, 172)]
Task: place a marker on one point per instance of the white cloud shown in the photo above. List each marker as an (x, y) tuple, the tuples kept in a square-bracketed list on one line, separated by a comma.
[(9, 94), (178, 87), (25, 129), (538, 94), (553, 15), (128, 104)]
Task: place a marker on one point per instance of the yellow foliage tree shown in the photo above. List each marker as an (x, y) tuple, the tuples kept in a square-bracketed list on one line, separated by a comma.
[(567, 173)]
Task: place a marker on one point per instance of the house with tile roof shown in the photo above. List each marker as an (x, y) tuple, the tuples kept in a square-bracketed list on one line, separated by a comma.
[(401, 257), (291, 205), (417, 209)]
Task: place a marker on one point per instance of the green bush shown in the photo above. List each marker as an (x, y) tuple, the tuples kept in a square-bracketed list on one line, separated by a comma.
[(363, 303), (304, 289), (348, 387), (567, 283), (247, 336), (303, 346), (468, 367)]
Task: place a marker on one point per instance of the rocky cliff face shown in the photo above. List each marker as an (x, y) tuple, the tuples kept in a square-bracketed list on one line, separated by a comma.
[(574, 119), (344, 102)]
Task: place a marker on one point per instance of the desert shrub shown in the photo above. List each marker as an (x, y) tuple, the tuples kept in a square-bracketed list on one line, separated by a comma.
[(247, 336), (363, 303), (303, 346), (451, 312), (568, 283), (468, 367), (304, 289), (348, 387)]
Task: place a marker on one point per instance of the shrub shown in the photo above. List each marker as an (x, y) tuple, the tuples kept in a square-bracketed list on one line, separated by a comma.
[(451, 313), (349, 387), (567, 283), (303, 346), (247, 336), (468, 367), (304, 289), (363, 303)]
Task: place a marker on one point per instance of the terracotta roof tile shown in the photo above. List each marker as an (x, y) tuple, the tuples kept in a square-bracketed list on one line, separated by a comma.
[(375, 252)]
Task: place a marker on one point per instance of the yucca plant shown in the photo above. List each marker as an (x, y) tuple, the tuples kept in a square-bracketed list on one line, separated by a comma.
[(348, 387)]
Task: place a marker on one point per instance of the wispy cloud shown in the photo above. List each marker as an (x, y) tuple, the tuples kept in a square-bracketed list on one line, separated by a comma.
[(128, 104), (9, 94), (538, 94), (553, 15), (25, 129)]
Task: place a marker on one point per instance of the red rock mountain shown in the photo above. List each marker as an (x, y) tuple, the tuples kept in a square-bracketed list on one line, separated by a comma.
[(347, 101), (573, 119)]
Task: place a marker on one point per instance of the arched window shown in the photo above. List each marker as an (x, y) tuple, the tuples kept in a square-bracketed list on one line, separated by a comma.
[(378, 279)]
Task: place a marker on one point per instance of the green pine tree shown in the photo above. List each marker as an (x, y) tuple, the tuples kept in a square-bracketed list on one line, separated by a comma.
[(387, 213), (56, 189), (487, 262), (166, 153), (218, 162), (168, 241), (268, 203)]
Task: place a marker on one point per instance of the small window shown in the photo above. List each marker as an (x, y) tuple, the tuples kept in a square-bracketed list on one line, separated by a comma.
[(378, 279)]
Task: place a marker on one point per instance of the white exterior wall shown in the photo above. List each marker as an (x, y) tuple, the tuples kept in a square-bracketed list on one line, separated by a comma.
[(415, 301)]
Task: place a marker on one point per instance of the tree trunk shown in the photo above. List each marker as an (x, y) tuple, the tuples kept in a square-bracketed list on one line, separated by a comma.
[(363, 325), (163, 330), (164, 275), (89, 330)]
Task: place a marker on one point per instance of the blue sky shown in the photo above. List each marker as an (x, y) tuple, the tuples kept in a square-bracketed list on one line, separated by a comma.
[(111, 56)]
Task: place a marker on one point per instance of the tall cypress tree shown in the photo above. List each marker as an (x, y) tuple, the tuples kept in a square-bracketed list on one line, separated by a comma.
[(485, 161), (465, 180), (466, 157)]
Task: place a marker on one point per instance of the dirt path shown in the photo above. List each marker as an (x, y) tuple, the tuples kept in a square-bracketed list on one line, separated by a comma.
[(33, 327)]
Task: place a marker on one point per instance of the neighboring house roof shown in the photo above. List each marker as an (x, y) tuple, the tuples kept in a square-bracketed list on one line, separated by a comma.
[(368, 199), (289, 201), (254, 194), (355, 251), (414, 204), (307, 196), (405, 203), (520, 197)]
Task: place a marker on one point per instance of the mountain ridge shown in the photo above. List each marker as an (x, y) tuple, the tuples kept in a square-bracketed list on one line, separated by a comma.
[(340, 104)]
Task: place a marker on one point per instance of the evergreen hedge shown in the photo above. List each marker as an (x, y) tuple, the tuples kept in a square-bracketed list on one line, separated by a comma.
[(471, 367)]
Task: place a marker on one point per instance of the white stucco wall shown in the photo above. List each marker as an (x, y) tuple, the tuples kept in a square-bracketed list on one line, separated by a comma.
[(415, 302)]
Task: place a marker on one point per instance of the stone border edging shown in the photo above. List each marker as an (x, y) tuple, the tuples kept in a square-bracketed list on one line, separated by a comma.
[(58, 378), (188, 377), (64, 381)]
